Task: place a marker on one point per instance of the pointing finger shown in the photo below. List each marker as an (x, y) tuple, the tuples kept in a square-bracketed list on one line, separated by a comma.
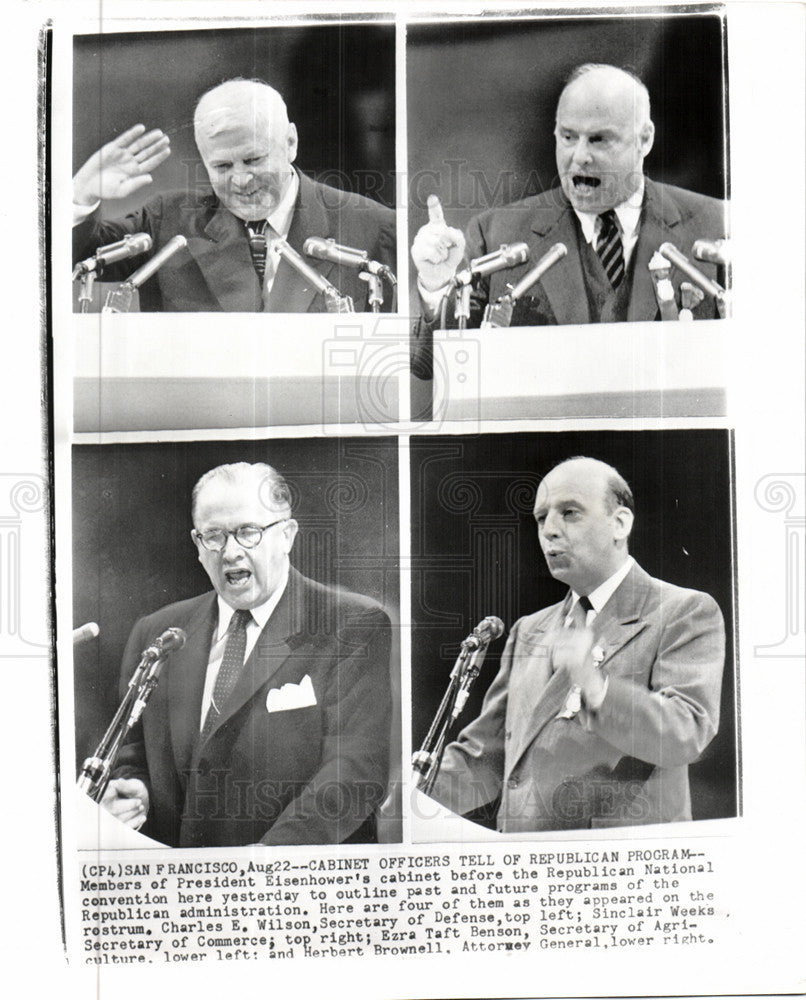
[(435, 210)]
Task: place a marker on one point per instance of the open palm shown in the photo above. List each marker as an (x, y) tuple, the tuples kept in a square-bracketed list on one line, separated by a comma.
[(122, 166)]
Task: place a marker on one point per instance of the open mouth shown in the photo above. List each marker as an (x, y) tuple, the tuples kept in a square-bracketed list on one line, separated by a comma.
[(237, 577), (583, 183)]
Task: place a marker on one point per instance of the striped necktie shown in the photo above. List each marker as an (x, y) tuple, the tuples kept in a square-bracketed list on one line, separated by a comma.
[(609, 248), (258, 245), (230, 669)]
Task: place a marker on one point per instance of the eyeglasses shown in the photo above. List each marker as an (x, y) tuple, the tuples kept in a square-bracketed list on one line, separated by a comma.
[(246, 535)]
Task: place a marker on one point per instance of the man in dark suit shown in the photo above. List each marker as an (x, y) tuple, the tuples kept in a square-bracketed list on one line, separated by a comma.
[(258, 198), (601, 701), (611, 218), (271, 724)]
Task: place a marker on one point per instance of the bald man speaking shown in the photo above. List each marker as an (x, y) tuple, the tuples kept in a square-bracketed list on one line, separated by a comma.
[(603, 700), (608, 214), (256, 198)]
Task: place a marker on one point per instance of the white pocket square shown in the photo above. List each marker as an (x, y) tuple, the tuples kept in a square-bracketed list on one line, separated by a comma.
[(291, 696)]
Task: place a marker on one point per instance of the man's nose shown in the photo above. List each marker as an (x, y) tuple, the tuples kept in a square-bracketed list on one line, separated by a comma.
[(241, 176), (551, 526), (232, 548), (582, 151)]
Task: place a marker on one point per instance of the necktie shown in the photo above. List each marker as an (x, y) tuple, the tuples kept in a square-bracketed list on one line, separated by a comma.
[(579, 619), (258, 245), (609, 248), (230, 669), (579, 616)]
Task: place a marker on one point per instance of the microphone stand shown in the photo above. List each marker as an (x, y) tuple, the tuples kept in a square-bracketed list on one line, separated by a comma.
[(85, 290), (97, 769), (461, 309), (120, 299), (428, 759), (660, 270), (375, 293)]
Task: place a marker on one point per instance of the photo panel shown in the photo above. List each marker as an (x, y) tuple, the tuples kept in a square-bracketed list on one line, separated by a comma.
[(581, 168), (476, 554), (133, 555), (296, 130)]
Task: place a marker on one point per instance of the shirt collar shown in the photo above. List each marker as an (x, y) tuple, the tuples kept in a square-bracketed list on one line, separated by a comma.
[(628, 214), (280, 218), (261, 614), (602, 594)]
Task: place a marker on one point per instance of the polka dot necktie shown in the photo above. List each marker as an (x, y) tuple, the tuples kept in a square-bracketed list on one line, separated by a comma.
[(230, 669)]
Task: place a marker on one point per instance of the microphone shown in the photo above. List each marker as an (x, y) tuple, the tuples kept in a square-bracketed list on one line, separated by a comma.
[(330, 250), (507, 255), (549, 259), (713, 251), (144, 273), (499, 313), (129, 246), (488, 630), (85, 633), (170, 640), (334, 301), (694, 274)]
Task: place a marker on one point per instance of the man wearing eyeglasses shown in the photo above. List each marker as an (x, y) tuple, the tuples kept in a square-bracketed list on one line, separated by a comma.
[(271, 724)]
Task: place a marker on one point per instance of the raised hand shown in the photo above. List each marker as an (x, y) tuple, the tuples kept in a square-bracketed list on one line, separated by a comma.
[(122, 166), (438, 249)]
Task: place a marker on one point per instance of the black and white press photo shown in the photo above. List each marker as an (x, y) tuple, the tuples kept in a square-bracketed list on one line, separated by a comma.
[(235, 170), (262, 577), (567, 170), (614, 706)]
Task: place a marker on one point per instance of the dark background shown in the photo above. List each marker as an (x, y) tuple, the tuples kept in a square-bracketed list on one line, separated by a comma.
[(482, 96), (132, 550), (338, 82), (475, 553)]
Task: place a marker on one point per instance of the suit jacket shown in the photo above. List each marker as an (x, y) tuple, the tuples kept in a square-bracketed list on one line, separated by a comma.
[(214, 273), (626, 764), (312, 774)]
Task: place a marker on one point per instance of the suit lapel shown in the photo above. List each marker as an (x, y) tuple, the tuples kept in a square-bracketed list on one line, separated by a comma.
[(290, 291), (564, 284), (186, 675), (539, 693), (659, 219), (620, 621), (223, 257)]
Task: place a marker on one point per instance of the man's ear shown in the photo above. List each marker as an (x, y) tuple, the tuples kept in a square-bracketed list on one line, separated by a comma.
[(647, 138), (622, 523), (196, 545), (291, 142), (290, 529)]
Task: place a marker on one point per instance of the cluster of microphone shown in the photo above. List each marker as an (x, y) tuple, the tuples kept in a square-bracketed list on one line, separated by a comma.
[(499, 313), (316, 247)]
